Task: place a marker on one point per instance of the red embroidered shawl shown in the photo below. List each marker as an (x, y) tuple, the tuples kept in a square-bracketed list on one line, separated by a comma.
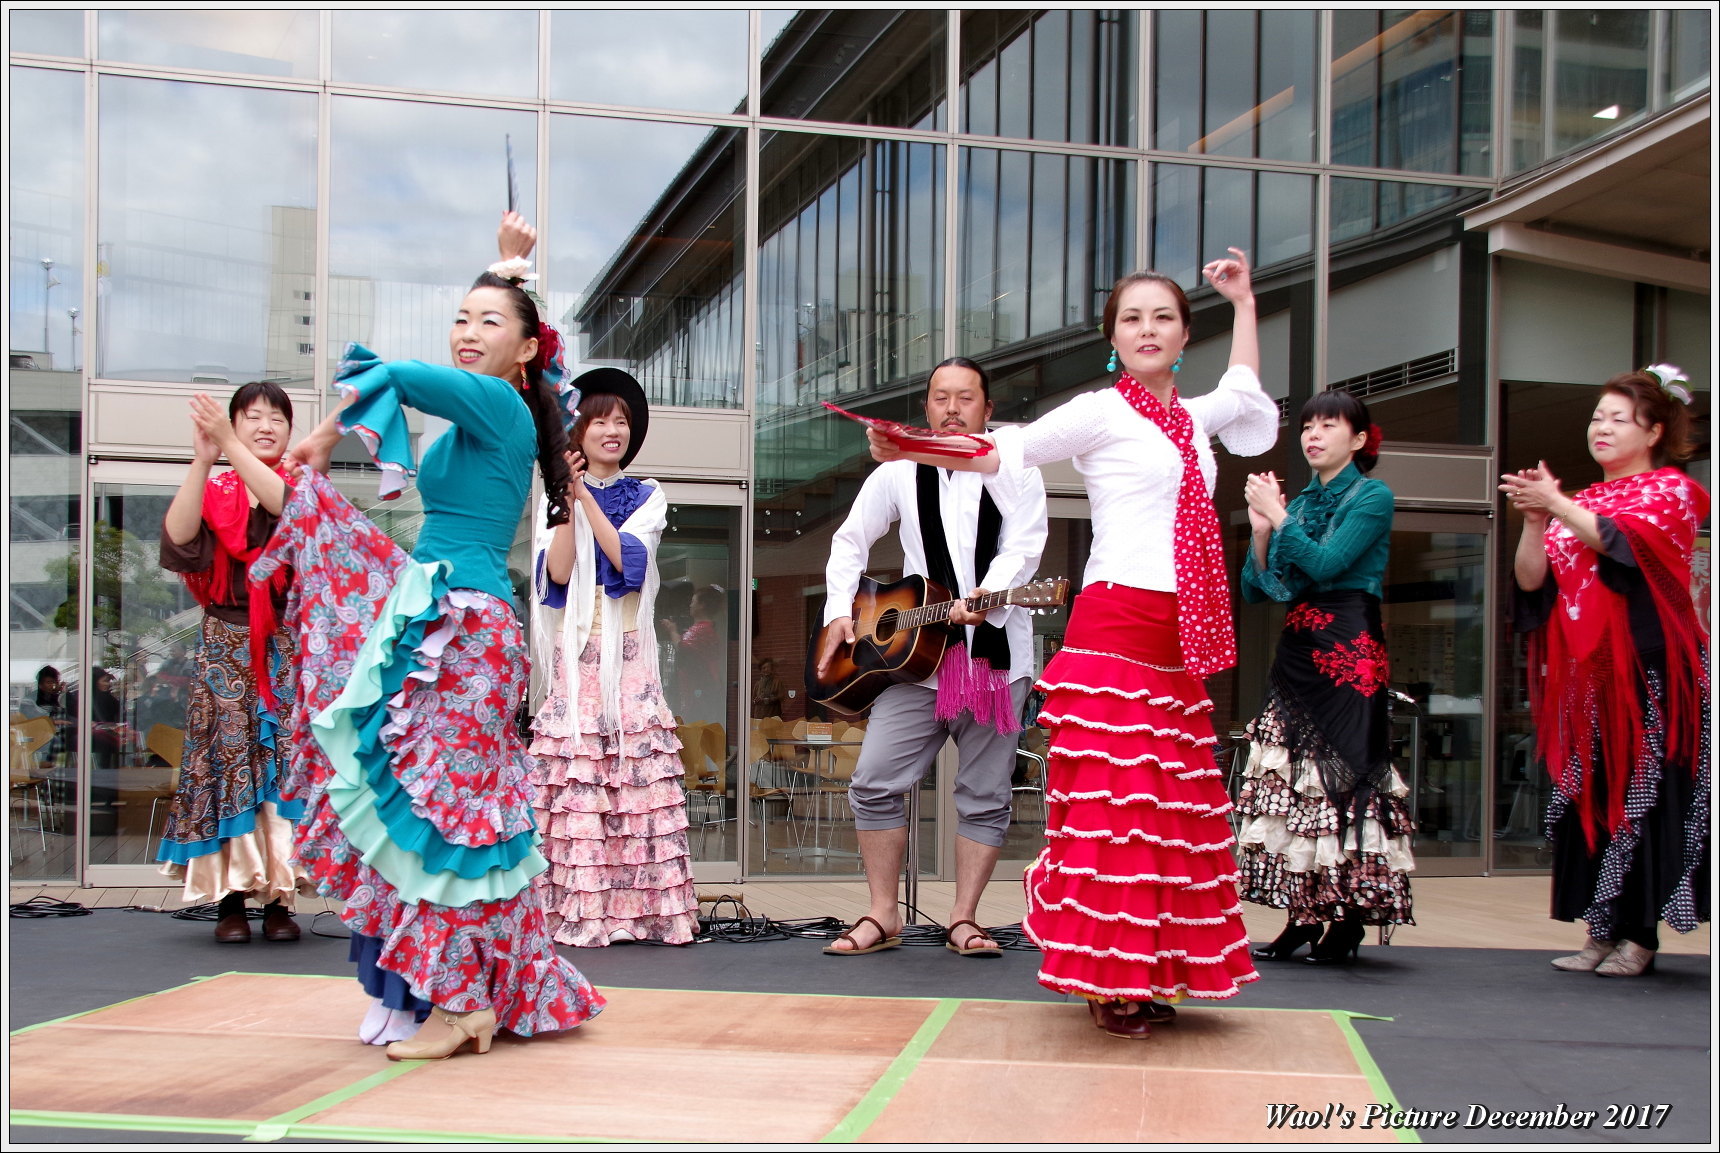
[(1586, 673)]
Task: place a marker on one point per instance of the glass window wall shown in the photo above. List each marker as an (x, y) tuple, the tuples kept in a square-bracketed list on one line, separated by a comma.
[(694, 61), (201, 258), (875, 66), (1412, 90), (415, 196), (1199, 212), (1060, 75), (1235, 83), (1042, 240), (1688, 35), (1600, 72), (254, 41), (494, 53), (647, 269), (44, 469), (51, 33)]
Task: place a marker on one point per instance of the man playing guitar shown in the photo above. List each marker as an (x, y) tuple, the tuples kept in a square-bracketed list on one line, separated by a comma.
[(986, 532)]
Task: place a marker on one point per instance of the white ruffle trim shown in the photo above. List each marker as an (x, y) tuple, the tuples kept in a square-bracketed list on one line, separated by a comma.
[(1135, 695), (1131, 762), (1138, 835), (1144, 922), (1140, 798), (1178, 735), (1265, 758), (1306, 854), (1113, 953), (1165, 991), (1142, 878)]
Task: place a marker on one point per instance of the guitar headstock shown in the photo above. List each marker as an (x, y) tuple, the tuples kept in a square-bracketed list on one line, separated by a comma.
[(1042, 595)]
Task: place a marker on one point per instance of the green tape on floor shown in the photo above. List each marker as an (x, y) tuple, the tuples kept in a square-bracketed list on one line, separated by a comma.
[(148, 1123), (129, 1000), (1370, 1070), (276, 1127), (860, 1117)]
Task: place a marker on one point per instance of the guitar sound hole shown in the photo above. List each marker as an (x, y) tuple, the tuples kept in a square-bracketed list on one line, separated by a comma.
[(885, 628)]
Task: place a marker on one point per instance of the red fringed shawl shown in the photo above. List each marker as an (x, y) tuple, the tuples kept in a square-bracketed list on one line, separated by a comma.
[(227, 512), (1586, 673)]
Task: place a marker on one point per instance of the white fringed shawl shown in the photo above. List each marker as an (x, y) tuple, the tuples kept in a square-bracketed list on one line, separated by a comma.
[(573, 624)]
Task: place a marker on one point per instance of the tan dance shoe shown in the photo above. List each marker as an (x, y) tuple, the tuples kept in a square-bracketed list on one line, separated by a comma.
[(445, 1033), (1594, 952), (1629, 960)]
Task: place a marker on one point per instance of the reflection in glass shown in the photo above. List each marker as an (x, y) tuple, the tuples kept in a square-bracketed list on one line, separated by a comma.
[(207, 263), (1058, 75), (492, 52), (265, 43), (858, 66), (145, 625), (1688, 44), (1600, 72), (52, 33), (1286, 225), (45, 256), (1363, 206), (1528, 126), (1434, 610), (1235, 83), (44, 469), (1412, 90), (695, 60), (412, 217), (644, 232), (698, 639), (1043, 238), (1200, 212)]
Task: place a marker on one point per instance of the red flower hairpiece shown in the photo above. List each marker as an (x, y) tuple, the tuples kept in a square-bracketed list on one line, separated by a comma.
[(1371, 445)]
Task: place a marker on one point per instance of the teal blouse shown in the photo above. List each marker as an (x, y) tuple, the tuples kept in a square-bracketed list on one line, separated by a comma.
[(474, 479), (1335, 536)]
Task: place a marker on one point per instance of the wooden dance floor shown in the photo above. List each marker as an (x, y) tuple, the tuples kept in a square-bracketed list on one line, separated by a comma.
[(271, 1057)]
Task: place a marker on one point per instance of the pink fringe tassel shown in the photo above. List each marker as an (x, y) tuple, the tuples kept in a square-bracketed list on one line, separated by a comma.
[(972, 685)]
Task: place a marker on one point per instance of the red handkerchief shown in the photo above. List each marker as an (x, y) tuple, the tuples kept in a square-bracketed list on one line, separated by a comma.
[(923, 440)]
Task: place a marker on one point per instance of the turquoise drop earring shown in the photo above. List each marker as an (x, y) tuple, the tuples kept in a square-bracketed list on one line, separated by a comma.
[(1112, 365), (1177, 367)]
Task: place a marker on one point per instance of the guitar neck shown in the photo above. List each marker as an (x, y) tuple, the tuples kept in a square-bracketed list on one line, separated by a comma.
[(932, 614)]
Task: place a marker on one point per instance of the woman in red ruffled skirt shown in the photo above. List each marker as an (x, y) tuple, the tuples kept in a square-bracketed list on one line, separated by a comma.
[(1133, 901)]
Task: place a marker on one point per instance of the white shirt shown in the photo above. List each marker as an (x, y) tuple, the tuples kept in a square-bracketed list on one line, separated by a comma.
[(1133, 471), (889, 495)]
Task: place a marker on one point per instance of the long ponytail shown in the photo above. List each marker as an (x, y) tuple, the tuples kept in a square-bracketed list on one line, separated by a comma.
[(540, 399)]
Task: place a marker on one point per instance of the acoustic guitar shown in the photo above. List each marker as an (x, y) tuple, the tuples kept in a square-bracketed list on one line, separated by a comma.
[(900, 633)]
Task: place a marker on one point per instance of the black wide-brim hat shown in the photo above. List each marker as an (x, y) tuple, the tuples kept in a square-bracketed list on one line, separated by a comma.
[(618, 383)]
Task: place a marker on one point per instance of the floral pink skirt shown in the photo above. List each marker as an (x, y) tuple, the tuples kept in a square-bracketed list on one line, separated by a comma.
[(612, 809)]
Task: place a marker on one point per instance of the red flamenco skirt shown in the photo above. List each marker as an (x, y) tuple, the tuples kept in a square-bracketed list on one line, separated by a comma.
[(1134, 896)]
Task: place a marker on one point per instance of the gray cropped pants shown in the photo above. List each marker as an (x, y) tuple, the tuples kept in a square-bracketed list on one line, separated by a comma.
[(902, 738)]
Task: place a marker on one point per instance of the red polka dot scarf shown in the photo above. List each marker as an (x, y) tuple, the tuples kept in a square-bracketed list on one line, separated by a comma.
[(1204, 624)]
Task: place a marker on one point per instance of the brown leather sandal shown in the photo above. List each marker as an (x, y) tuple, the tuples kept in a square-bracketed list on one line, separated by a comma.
[(884, 941), (970, 949)]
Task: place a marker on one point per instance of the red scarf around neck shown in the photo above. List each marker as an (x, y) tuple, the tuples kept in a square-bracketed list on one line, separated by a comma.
[(1204, 623), (1585, 671), (227, 512)]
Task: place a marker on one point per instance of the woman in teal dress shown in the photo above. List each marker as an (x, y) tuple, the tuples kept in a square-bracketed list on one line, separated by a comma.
[(406, 751), (1325, 832)]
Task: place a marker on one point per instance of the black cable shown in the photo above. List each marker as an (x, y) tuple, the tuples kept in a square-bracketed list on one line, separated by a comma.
[(42, 906)]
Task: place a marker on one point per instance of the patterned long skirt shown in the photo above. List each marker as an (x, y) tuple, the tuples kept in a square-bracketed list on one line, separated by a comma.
[(1327, 828), (612, 808), (228, 828), (418, 808), (1134, 895)]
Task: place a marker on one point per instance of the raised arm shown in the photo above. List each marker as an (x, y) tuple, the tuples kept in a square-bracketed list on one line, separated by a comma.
[(264, 482), (185, 515)]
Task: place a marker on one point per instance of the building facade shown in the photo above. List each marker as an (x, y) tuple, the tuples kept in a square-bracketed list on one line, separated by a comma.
[(1471, 218)]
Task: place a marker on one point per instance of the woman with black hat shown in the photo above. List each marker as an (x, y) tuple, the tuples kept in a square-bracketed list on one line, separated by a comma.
[(609, 797)]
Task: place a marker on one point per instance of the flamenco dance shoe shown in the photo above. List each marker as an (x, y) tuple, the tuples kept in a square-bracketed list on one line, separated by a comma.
[(1125, 1019), (1341, 945), (233, 926), (278, 924), (1587, 961), (1285, 945), (445, 1034), (1630, 960), (1158, 1014)]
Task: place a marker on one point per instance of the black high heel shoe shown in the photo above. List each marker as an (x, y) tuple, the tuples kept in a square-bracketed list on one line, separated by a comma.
[(1341, 945), (1292, 938)]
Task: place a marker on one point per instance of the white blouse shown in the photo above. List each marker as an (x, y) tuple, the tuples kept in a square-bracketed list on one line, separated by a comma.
[(1133, 471)]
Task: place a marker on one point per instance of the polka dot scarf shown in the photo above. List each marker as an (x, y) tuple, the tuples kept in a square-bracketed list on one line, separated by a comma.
[(1204, 625)]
